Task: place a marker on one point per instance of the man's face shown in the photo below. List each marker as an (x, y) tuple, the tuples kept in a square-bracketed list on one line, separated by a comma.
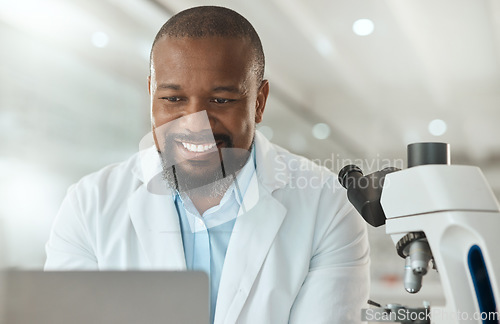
[(205, 102)]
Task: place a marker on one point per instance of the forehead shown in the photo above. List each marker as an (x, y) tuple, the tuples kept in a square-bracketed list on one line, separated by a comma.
[(212, 54)]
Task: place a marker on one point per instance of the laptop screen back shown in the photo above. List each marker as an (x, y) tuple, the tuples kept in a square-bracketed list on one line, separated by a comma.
[(105, 297)]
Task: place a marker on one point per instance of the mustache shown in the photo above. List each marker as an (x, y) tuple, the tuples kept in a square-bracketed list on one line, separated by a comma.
[(200, 137)]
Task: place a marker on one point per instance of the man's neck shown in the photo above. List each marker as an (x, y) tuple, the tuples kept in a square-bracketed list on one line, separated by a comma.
[(204, 202), (211, 195)]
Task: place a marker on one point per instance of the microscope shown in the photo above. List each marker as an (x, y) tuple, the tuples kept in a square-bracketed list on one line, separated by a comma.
[(440, 214)]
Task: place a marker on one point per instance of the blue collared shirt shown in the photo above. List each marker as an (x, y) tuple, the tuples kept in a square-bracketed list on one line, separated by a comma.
[(206, 237)]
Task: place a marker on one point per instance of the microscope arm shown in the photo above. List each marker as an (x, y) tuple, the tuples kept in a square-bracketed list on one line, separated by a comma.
[(455, 208)]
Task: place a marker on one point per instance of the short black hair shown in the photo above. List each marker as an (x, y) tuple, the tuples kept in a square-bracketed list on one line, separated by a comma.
[(210, 21)]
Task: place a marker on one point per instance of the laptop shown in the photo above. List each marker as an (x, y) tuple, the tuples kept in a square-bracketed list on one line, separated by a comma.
[(107, 297)]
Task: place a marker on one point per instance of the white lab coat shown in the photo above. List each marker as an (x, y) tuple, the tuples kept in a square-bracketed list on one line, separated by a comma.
[(299, 254)]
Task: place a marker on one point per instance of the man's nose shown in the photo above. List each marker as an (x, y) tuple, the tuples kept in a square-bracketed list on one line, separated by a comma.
[(195, 118)]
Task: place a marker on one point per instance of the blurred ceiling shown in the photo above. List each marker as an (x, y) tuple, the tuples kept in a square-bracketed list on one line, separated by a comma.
[(73, 93), (73, 78)]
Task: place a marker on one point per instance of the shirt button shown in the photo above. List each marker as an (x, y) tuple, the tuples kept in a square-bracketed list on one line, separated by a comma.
[(200, 223)]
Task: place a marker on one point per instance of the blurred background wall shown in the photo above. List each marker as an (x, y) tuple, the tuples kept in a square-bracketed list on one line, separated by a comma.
[(351, 81)]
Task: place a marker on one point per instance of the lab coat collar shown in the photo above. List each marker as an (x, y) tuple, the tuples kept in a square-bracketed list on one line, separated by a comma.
[(148, 168), (271, 166)]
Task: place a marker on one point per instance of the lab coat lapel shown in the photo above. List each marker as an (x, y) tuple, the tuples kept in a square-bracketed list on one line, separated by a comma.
[(153, 213), (253, 234), (156, 223)]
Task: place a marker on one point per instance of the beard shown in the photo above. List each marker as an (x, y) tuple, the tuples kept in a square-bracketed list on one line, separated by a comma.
[(209, 178)]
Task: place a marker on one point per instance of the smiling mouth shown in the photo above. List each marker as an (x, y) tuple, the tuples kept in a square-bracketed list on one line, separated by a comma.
[(198, 148)]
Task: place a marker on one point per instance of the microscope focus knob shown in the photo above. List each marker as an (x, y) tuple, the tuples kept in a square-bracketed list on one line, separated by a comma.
[(403, 243)]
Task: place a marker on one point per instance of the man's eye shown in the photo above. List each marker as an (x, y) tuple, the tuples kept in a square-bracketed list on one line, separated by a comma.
[(172, 99), (221, 100)]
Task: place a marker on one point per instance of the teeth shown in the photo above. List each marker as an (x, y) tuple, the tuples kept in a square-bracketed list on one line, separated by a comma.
[(197, 148)]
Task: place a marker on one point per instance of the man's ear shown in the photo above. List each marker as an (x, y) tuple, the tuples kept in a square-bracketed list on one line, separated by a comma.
[(260, 104), (149, 85)]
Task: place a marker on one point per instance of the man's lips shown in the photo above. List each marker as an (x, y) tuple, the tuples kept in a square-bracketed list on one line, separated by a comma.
[(196, 151), (198, 148)]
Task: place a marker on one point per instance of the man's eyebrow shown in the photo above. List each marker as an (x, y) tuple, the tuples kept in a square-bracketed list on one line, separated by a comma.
[(227, 89), (170, 86)]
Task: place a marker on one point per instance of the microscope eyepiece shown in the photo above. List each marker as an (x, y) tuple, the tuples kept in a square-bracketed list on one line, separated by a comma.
[(364, 192), (347, 172)]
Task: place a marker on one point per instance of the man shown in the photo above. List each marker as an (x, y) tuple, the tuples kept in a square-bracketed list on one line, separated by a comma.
[(273, 231)]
